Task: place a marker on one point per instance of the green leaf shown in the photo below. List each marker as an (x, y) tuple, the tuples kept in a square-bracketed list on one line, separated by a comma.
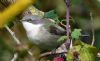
[(86, 52), (62, 39), (76, 34), (51, 14), (69, 56)]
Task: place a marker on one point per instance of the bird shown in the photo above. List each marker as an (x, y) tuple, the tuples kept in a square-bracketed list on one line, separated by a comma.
[(42, 31)]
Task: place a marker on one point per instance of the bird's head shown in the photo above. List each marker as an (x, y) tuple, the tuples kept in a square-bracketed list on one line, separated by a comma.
[(31, 22)]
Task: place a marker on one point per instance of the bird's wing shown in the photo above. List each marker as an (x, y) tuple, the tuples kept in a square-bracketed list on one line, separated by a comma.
[(53, 28)]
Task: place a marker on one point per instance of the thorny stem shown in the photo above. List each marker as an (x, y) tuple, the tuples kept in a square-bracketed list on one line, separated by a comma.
[(67, 18), (93, 32), (68, 30)]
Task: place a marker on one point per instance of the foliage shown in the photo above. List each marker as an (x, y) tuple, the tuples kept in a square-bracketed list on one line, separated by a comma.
[(76, 34), (51, 14), (83, 50), (35, 11)]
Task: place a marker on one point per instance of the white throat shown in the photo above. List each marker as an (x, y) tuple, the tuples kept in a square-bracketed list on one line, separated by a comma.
[(31, 27)]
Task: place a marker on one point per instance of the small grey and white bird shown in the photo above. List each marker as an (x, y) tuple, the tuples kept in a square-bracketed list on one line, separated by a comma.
[(42, 31)]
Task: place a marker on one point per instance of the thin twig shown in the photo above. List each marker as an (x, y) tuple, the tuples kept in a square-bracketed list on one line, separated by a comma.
[(29, 52), (71, 44), (93, 32), (15, 38), (98, 54), (61, 49), (13, 35), (63, 24), (15, 57), (50, 53)]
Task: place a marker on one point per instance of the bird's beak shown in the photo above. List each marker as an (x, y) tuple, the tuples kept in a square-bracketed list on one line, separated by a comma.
[(22, 20)]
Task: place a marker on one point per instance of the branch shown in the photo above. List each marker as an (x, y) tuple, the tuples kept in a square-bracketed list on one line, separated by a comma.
[(61, 49), (15, 57), (63, 24), (13, 35), (93, 32), (98, 54), (15, 38), (50, 53)]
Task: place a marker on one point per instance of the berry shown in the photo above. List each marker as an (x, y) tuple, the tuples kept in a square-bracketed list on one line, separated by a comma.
[(58, 59)]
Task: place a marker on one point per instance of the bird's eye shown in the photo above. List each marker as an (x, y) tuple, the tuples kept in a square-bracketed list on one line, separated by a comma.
[(29, 20)]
